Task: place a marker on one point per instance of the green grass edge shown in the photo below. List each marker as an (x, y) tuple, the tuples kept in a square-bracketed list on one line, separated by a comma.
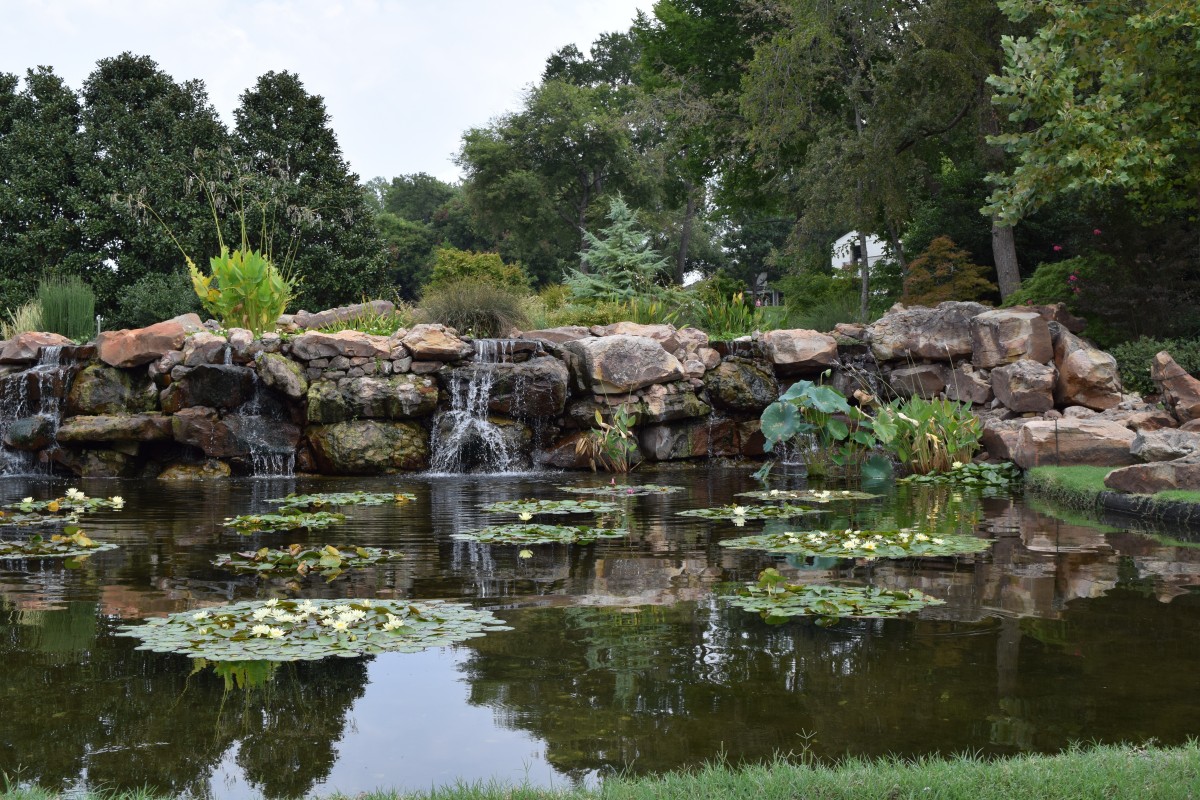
[(1080, 487), (1094, 771)]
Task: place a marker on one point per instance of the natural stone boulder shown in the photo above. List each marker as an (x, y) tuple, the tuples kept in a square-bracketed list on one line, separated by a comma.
[(534, 389), (568, 333), (1149, 420), (740, 384), (684, 440), (1025, 386), (203, 347), (1058, 313), (242, 346), (347, 344), (1180, 391), (208, 470), (1005, 335), (132, 348), (565, 454), (942, 333), (1086, 376), (212, 385), (1070, 442), (436, 343), (369, 447), (114, 428), (967, 385), (29, 433), (26, 347), (1159, 476), (397, 397), (623, 363), (1167, 444), (798, 351), (335, 316), (921, 380), (201, 427), (665, 335), (104, 390), (660, 405), (96, 463), (283, 375), (999, 437), (261, 435)]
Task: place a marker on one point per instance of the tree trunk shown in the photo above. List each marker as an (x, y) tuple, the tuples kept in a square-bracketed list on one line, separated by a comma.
[(897, 248), (582, 223), (685, 233), (1004, 251), (864, 308)]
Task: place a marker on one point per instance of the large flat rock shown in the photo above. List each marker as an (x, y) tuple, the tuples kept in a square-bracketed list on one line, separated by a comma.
[(132, 348), (1072, 442)]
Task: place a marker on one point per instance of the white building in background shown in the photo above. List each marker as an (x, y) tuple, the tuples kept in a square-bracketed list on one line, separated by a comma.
[(846, 251)]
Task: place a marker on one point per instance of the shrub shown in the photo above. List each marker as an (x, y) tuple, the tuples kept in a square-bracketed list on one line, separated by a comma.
[(842, 307), (152, 299), (451, 265), (621, 263), (473, 306), (943, 272), (23, 319), (723, 317), (68, 307), (377, 324), (245, 289), (929, 435), (1134, 357), (586, 315), (1051, 283)]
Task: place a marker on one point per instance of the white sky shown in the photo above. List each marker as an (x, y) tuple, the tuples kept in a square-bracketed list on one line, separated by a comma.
[(402, 79)]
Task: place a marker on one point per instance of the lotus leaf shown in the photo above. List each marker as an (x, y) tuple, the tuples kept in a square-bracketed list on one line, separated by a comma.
[(613, 490), (294, 520), (531, 533), (67, 508), (531, 507), (72, 542), (777, 600), (851, 543), (308, 630), (329, 561), (739, 514), (312, 502), (808, 495)]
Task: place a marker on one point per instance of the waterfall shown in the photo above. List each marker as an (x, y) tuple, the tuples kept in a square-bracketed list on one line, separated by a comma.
[(271, 453), (31, 395), (463, 438)]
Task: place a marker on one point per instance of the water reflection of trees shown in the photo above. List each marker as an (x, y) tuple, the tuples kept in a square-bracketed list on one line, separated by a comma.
[(77, 702)]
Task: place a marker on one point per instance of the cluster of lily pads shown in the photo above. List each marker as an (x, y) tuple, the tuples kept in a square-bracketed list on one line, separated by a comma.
[(312, 502), (854, 543), (738, 514), (288, 521), (777, 600), (808, 495), (526, 509), (613, 490), (984, 475), (290, 630), (329, 561), (68, 508), (71, 543), (533, 533)]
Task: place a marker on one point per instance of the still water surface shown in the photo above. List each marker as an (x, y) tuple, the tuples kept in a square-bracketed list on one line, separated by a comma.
[(621, 657)]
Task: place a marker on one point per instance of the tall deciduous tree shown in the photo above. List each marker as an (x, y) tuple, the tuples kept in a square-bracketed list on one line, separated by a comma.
[(142, 130), (1107, 98), (42, 157), (283, 131)]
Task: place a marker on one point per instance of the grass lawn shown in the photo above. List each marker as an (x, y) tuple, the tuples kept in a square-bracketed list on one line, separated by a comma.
[(1106, 771)]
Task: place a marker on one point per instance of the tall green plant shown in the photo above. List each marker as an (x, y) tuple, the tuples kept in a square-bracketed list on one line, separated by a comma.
[(25, 318), (842, 435), (929, 435), (68, 307), (245, 290)]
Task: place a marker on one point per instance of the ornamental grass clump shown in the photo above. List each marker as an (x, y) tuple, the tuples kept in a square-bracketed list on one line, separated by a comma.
[(68, 307)]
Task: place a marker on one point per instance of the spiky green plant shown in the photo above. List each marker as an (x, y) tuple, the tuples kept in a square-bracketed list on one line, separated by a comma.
[(68, 306)]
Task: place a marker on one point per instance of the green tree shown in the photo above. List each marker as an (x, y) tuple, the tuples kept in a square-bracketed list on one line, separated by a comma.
[(283, 131), (1105, 98), (451, 264), (620, 262), (142, 130), (409, 251), (417, 197), (42, 156), (944, 271)]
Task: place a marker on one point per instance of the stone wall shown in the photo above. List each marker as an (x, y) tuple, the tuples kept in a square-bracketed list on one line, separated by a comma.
[(181, 396)]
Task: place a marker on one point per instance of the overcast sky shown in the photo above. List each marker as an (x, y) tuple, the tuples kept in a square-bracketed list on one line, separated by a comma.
[(402, 79)]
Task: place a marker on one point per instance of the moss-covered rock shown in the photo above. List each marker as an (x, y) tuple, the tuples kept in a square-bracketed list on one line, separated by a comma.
[(369, 447), (98, 389)]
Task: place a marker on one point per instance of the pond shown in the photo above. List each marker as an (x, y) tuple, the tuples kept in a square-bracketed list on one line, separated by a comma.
[(623, 656)]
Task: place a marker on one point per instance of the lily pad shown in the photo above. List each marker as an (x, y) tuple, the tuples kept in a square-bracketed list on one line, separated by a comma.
[(291, 521), (851, 543), (532, 533), (291, 630), (808, 495), (297, 559), (313, 502), (613, 490), (777, 601), (68, 508), (997, 475), (738, 513), (532, 507), (72, 542)]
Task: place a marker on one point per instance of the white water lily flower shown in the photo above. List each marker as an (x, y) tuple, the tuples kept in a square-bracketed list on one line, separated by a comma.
[(261, 613), (774, 492), (939, 541), (956, 465), (199, 615), (117, 501), (274, 601), (26, 499), (260, 630), (920, 537), (340, 625), (75, 494), (868, 546), (275, 633), (739, 522), (341, 608), (525, 516), (739, 511)]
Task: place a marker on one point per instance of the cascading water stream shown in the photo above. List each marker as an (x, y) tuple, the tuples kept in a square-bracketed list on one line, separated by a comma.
[(270, 456), (463, 438), (35, 392)]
